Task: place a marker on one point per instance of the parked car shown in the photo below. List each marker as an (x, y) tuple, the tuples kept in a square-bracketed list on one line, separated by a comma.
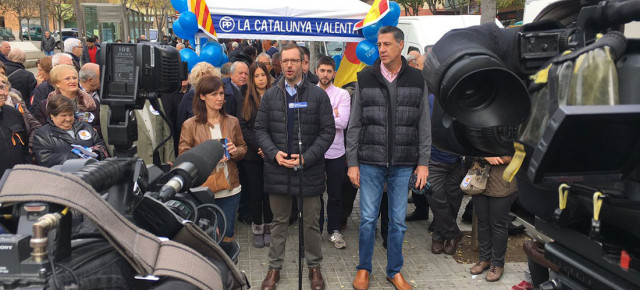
[(34, 31), (6, 34), (62, 36)]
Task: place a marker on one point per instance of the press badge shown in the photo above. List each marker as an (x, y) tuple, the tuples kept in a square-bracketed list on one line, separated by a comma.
[(299, 105)]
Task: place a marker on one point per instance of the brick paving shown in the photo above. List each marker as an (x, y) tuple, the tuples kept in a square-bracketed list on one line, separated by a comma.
[(422, 269)]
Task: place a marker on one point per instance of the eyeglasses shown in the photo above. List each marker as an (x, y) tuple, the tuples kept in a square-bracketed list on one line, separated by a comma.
[(71, 78), (291, 61)]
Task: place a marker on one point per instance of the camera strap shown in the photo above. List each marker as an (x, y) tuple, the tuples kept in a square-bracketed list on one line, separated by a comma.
[(148, 254)]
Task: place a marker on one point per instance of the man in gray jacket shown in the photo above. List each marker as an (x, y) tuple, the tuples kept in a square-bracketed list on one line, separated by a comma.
[(388, 139), (48, 44)]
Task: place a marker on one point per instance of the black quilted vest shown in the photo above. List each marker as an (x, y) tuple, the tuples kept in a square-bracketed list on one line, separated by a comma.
[(380, 144)]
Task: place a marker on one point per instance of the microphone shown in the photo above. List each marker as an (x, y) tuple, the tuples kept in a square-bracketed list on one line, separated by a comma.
[(192, 168)]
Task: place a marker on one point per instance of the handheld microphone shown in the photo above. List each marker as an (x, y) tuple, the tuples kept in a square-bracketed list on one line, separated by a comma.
[(192, 168)]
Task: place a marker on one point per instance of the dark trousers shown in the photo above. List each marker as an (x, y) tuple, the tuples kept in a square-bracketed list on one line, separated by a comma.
[(335, 171), (493, 225), (446, 198), (259, 201), (349, 193), (421, 203), (245, 195)]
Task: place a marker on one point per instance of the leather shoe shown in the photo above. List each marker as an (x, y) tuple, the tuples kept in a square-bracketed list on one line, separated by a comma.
[(479, 267), (399, 282), (269, 282), (361, 282), (415, 216), (450, 246), (437, 247), (317, 283), (494, 274)]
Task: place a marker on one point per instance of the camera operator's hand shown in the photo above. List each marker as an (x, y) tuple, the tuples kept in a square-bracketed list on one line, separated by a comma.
[(494, 160), (231, 148), (354, 175), (422, 172)]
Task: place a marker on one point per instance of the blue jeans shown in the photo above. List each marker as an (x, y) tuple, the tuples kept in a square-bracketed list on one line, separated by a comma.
[(372, 181), (48, 53), (229, 206)]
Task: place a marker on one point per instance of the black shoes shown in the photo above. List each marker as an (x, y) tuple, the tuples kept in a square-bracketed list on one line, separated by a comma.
[(415, 216)]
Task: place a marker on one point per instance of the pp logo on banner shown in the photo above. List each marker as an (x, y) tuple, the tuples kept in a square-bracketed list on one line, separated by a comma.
[(227, 24)]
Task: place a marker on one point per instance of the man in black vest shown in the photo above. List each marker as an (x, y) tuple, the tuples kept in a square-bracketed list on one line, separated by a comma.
[(277, 124), (388, 138)]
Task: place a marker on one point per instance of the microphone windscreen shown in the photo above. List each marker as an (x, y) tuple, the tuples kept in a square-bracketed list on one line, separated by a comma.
[(205, 157)]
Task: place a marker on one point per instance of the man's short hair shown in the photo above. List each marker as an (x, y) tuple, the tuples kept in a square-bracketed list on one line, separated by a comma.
[(398, 35), (91, 39), (234, 45), (250, 50), (17, 55), (264, 55), (275, 56), (70, 43), (294, 46), (412, 48), (226, 68), (232, 69), (306, 51), (86, 73), (55, 59), (326, 60)]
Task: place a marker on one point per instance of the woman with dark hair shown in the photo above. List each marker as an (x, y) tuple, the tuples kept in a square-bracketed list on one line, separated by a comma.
[(64, 137), (210, 121), (258, 83)]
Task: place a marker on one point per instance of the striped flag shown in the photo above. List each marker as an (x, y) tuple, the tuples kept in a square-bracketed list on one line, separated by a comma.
[(349, 66), (379, 9), (200, 9)]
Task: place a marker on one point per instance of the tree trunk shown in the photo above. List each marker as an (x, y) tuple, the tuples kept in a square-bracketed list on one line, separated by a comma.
[(28, 29), (474, 231), (487, 11), (80, 17), (125, 22), (20, 27), (44, 16)]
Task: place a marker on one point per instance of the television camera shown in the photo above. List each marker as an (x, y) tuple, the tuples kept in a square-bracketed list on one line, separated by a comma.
[(119, 223), (574, 129)]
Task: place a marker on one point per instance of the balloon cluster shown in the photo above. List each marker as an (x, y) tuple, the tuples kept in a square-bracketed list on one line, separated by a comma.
[(367, 50), (186, 27)]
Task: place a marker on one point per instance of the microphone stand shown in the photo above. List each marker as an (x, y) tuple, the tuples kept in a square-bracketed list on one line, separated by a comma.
[(299, 168)]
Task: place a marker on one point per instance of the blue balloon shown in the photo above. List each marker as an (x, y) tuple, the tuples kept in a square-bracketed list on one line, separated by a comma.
[(337, 58), (371, 32), (211, 54), (180, 5), (225, 59), (189, 23), (391, 18), (367, 52), (179, 31), (190, 56)]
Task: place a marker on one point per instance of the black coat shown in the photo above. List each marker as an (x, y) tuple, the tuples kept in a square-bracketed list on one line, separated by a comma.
[(52, 145), (41, 92), (21, 79), (14, 138), (249, 135), (318, 131)]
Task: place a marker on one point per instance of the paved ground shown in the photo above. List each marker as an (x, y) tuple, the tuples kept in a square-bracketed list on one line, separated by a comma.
[(422, 269)]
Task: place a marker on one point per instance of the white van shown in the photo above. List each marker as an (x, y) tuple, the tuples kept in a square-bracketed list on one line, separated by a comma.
[(422, 32)]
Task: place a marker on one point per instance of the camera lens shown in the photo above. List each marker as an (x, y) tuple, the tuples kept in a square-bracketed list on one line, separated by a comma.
[(476, 92)]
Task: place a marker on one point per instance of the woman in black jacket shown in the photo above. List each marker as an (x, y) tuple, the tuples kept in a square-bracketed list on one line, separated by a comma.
[(54, 142), (258, 83)]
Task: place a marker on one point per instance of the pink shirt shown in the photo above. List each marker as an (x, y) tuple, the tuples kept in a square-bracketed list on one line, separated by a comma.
[(341, 105), (387, 74)]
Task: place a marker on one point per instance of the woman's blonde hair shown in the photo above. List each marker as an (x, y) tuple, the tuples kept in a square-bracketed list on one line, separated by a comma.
[(202, 69), (56, 72)]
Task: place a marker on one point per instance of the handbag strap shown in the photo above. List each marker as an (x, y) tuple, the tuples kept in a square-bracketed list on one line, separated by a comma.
[(146, 253)]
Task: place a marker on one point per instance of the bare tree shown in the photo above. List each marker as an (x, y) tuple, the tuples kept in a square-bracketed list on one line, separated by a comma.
[(59, 10), (126, 14), (80, 17), (412, 7), (457, 5), (23, 9), (433, 5), (162, 8)]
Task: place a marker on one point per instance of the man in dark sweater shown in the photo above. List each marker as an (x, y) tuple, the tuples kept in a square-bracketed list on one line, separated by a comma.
[(388, 139)]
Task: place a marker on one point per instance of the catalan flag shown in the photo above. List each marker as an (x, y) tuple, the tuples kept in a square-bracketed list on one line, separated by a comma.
[(379, 9), (349, 66), (200, 9)]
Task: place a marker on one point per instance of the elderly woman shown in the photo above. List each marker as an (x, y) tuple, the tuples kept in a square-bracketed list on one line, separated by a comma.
[(210, 121), (21, 79), (13, 132), (64, 79), (44, 87), (54, 142), (14, 100)]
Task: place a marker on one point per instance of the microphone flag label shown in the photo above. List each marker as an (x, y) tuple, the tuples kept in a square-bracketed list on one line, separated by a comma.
[(299, 105)]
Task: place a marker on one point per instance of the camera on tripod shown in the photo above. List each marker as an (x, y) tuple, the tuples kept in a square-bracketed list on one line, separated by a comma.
[(562, 95), (118, 222)]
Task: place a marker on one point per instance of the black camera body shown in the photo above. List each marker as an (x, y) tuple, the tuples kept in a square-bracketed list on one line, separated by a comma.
[(486, 101)]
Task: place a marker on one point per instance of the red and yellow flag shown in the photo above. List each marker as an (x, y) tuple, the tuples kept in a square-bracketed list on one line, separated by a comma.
[(379, 9), (349, 66), (200, 9)]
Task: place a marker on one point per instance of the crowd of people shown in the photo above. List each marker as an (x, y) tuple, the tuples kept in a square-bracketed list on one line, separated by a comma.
[(372, 135)]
